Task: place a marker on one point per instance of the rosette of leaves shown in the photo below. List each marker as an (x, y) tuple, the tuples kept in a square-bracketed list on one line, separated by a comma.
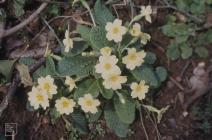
[(185, 41), (118, 115), (117, 107)]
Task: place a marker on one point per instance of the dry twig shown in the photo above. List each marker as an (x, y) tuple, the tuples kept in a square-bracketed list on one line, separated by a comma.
[(25, 22)]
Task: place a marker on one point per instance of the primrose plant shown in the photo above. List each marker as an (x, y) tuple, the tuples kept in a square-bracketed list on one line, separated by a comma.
[(106, 72)]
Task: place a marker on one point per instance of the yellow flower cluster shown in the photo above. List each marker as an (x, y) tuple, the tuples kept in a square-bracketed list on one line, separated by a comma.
[(107, 65), (109, 70), (44, 91)]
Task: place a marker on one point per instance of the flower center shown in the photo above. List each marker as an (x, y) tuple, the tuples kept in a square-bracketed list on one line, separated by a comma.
[(65, 104), (115, 30), (132, 57), (114, 78), (89, 103), (47, 87), (107, 66), (40, 98)]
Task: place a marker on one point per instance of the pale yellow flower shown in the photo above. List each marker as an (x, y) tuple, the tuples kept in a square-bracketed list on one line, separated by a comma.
[(70, 83), (144, 38), (47, 85), (115, 30), (139, 90), (65, 105), (146, 11), (133, 59), (88, 103), (38, 98), (114, 81), (68, 42), (106, 51), (107, 64), (136, 30)]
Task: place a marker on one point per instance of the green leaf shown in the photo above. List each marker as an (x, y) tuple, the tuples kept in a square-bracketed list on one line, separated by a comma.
[(173, 51), (114, 123), (102, 14), (98, 38), (179, 31), (106, 93), (78, 48), (87, 86), (150, 58), (41, 72), (181, 4), (49, 69), (162, 73), (19, 7), (27, 61), (186, 51), (125, 111), (6, 67), (84, 31), (77, 65), (54, 114), (94, 117), (50, 66), (53, 9), (198, 8), (201, 52), (146, 73), (168, 30), (79, 122)]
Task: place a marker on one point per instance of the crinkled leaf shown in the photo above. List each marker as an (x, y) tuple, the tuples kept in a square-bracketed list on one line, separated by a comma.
[(87, 86), (201, 52), (27, 61), (173, 51), (97, 38), (50, 66), (77, 65), (126, 110), (106, 93), (146, 72), (114, 123), (84, 31), (186, 50), (78, 48), (54, 114), (161, 73), (150, 58), (79, 122), (102, 14), (95, 117)]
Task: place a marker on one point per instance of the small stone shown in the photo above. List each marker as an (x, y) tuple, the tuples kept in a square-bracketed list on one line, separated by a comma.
[(185, 113)]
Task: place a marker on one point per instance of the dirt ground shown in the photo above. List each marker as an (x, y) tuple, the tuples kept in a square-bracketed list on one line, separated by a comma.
[(174, 126)]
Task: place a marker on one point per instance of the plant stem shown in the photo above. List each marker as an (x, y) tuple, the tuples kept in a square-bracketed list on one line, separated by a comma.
[(52, 30), (142, 123), (85, 4), (154, 122)]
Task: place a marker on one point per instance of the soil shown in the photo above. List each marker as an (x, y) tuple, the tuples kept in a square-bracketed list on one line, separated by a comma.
[(174, 126)]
